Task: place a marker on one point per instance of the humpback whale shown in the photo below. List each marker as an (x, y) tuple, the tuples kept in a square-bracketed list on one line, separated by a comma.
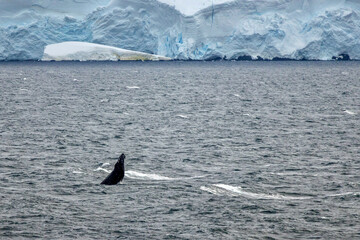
[(117, 174)]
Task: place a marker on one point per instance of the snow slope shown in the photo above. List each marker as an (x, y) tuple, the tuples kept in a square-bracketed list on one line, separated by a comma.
[(83, 51), (297, 29)]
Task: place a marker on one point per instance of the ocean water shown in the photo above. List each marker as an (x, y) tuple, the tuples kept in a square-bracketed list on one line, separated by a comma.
[(215, 150)]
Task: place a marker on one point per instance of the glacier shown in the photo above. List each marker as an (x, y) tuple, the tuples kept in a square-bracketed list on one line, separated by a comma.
[(83, 51), (190, 7), (261, 29)]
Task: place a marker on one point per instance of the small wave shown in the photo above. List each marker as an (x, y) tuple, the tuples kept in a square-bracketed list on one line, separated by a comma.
[(217, 191), (182, 116), (132, 87), (349, 112), (24, 89), (343, 194), (223, 189), (196, 177), (105, 164), (102, 169), (147, 176), (291, 174), (105, 100), (77, 172)]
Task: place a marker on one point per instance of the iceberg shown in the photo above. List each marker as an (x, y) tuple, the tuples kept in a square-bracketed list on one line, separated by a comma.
[(84, 51), (232, 30)]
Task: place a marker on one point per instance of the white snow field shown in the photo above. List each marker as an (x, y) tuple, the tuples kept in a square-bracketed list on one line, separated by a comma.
[(295, 29), (83, 51)]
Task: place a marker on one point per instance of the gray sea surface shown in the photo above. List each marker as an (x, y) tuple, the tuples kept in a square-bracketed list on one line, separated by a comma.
[(214, 150)]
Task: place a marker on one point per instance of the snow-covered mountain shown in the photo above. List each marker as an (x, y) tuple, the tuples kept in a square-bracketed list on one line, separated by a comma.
[(297, 29)]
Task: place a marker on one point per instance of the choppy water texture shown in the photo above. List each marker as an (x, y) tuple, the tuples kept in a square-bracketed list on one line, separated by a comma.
[(222, 150)]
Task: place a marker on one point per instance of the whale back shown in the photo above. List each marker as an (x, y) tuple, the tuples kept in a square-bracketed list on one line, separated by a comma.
[(117, 174)]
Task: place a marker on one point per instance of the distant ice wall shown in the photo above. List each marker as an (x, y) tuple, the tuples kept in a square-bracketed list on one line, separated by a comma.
[(297, 29)]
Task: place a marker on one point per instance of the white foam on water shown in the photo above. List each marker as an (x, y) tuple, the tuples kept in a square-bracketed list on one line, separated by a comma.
[(182, 116), (24, 90), (77, 172), (349, 112), (202, 176), (291, 174), (147, 176), (151, 176), (102, 169), (236, 95), (223, 189), (217, 191), (132, 87), (105, 100), (25, 78), (343, 194), (105, 164)]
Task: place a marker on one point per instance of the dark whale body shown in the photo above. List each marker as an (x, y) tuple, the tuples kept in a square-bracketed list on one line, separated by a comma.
[(117, 174)]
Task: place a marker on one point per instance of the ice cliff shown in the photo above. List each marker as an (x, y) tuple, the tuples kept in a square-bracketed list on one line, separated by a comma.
[(296, 29)]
